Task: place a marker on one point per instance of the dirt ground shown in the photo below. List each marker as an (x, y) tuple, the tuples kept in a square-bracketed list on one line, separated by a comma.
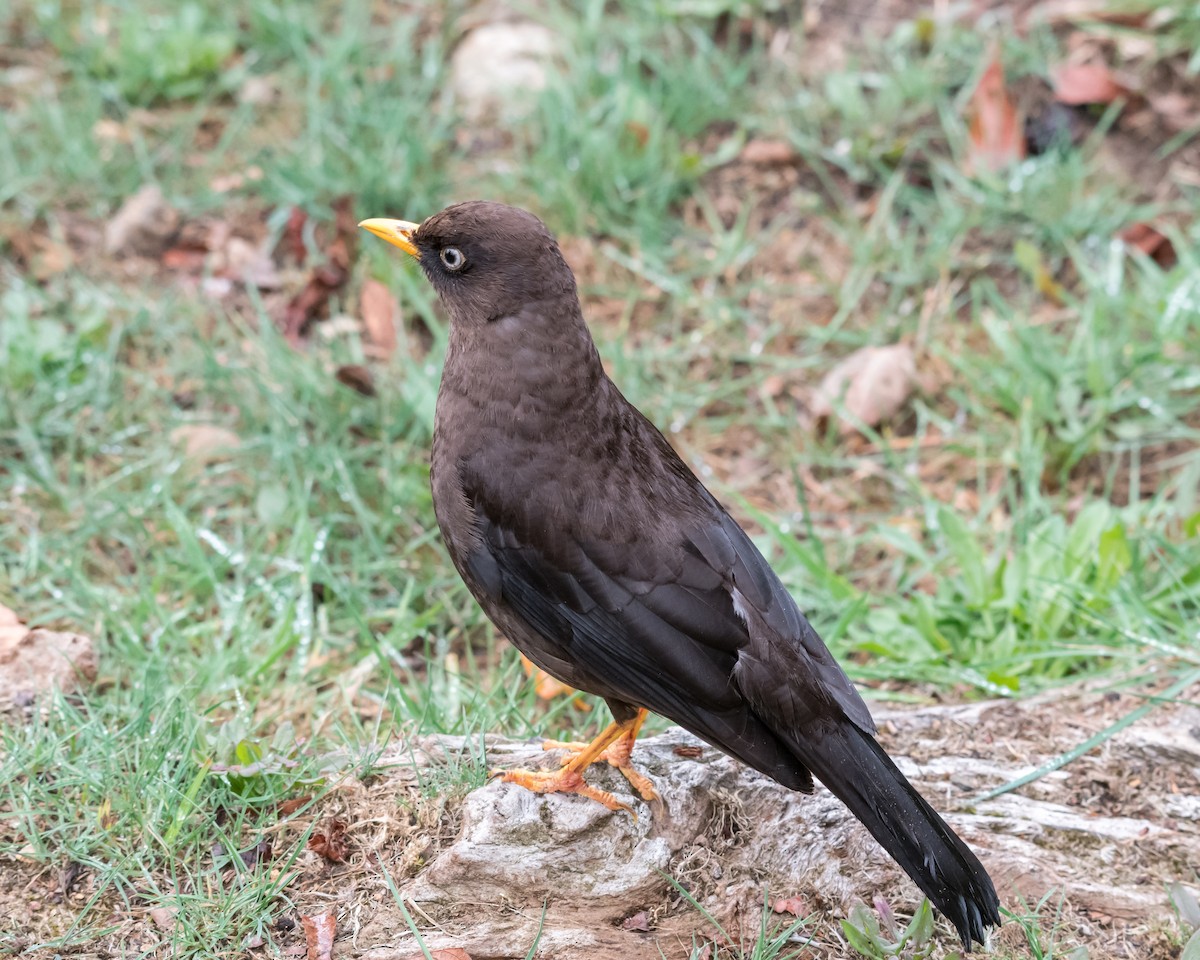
[(1094, 843)]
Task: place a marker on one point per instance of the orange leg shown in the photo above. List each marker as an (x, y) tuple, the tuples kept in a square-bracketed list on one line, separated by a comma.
[(613, 745)]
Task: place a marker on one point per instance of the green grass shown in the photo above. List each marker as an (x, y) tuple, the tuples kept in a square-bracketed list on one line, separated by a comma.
[(288, 605)]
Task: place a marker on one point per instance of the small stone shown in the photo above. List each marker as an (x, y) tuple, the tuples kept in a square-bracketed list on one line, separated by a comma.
[(499, 68)]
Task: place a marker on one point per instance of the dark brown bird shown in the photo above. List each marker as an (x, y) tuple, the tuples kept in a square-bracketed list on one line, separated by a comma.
[(596, 551)]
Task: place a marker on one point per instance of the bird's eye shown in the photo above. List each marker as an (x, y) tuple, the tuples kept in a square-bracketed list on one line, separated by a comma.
[(453, 258)]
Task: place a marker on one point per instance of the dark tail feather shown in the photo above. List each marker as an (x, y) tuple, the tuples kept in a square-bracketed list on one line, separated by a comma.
[(857, 771)]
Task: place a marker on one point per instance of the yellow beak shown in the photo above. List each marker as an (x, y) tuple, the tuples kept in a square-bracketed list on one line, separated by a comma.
[(398, 232)]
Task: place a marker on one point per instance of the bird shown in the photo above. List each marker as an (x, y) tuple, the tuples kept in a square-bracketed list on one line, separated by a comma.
[(601, 556)]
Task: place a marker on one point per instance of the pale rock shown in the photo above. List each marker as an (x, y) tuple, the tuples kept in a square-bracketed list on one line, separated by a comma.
[(498, 69)]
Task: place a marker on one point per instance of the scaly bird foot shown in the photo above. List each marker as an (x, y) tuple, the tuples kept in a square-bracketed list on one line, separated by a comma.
[(617, 754), (561, 781)]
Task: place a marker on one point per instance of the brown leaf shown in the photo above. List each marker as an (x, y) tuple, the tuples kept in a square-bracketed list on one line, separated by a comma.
[(639, 131), (357, 377), (768, 153), (326, 280), (873, 384), (639, 922), (379, 309), (689, 752), (996, 138), (1078, 84), (163, 917), (332, 843), (288, 807), (293, 235), (319, 931), (1154, 244), (796, 906), (185, 259), (51, 258)]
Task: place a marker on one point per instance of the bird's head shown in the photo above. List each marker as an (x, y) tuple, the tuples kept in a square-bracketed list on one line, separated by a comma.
[(487, 261)]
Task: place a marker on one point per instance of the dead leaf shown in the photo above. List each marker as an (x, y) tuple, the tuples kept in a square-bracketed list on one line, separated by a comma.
[(639, 131), (205, 442), (379, 310), (796, 906), (639, 922), (1178, 111), (1154, 244), (1084, 83), (768, 153), (332, 843), (51, 258), (689, 752), (261, 852), (996, 138), (250, 265), (68, 876), (327, 279), (293, 236), (144, 224), (357, 377), (288, 807), (873, 384), (319, 931), (163, 917), (185, 259)]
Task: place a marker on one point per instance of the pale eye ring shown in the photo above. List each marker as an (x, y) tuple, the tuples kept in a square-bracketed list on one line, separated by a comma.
[(453, 259)]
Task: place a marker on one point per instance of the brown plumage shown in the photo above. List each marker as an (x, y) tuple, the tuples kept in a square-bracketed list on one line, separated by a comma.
[(596, 551)]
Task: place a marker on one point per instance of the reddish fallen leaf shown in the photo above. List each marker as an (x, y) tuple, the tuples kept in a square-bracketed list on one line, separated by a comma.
[(996, 137), (378, 309), (288, 807), (327, 279), (1078, 84), (796, 906), (639, 922), (689, 752), (331, 844), (187, 259), (639, 131), (293, 235), (319, 931), (1154, 244), (357, 377), (768, 153)]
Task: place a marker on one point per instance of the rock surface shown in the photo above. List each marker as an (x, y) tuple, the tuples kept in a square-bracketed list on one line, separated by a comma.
[(33, 662), (499, 68), (1104, 835)]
